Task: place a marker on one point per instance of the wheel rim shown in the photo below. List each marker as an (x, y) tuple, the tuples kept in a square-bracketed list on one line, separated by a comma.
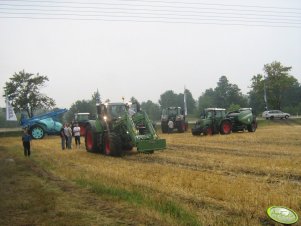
[(37, 133), (226, 127)]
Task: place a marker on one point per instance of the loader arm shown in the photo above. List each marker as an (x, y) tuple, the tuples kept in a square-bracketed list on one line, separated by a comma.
[(142, 133)]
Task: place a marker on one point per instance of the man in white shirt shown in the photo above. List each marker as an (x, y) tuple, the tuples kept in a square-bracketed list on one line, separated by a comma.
[(170, 126), (76, 132)]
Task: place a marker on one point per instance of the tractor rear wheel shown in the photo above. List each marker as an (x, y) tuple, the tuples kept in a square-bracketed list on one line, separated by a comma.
[(164, 128), (90, 140), (226, 127), (181, 127), (112, 144), (37, 132)]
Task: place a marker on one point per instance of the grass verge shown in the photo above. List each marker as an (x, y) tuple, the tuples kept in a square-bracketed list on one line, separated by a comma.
[(164, 207)]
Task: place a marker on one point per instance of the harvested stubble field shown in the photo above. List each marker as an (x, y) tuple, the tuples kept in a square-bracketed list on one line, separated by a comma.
[(213, 180)]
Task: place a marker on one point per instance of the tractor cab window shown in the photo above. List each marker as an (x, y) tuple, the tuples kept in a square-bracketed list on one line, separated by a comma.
[(209, 114), (172, 111), (116, 110)]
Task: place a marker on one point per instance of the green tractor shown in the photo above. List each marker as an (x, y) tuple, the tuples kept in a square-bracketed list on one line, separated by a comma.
[(177, 116), (215, 120), (119, 128)]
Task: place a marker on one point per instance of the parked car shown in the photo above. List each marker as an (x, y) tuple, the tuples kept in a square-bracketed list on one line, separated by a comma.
[(275, 114)]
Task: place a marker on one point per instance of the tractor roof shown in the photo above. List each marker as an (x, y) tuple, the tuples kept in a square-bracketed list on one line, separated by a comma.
[(215, 109), (173, 107), (120, 103), (82, 113)]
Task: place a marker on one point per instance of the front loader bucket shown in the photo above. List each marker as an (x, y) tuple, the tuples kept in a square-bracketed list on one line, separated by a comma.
[(151, 145)]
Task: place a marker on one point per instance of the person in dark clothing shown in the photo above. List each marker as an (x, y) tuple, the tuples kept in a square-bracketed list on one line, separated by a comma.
[(63, 138), (26, 138)]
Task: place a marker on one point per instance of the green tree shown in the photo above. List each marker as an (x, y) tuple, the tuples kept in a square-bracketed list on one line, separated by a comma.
[(152, 110), (23, 90), (282, 90), (83, 106), (206, 100), (278, 82), (168, 99), (226, 94), (171, 99), (223, 95)]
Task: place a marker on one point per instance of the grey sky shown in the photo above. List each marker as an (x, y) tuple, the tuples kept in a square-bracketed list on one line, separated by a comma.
[(143, 59)]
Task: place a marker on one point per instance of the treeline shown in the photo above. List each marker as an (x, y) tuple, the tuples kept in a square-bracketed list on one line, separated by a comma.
[(274, 89)]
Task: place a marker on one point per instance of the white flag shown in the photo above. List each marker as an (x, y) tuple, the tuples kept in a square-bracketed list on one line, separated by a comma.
[(185, 104), (10, 114)]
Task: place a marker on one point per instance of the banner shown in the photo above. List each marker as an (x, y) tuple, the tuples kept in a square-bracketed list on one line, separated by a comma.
[(10, 114)]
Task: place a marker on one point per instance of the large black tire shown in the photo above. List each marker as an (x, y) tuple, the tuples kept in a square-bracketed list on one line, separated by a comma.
[(181, 127), (37, 132), (252, 127), (112, 144), (226, 127), (164, 128), (186, 126), (91, 140), (195, 132)]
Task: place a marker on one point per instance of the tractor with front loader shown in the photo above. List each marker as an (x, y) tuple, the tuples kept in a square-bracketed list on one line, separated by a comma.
[(119, 128), (176, 115), (216, 120)]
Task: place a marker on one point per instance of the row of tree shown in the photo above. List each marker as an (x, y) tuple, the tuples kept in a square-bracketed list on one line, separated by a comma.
[(275, 89)]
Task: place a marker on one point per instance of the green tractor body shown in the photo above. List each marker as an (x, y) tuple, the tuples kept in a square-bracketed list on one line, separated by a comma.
[(176, 115), (117, 130), (216, 120)]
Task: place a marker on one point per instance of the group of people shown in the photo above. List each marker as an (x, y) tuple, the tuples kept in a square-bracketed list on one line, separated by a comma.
[(66, 134)]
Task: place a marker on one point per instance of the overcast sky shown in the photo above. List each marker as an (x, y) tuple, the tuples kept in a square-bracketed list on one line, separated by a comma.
[(147, 48)]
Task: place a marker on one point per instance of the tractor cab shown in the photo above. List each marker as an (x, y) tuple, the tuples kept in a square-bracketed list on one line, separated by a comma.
[(115, 110), (209, 122), (213, 113)]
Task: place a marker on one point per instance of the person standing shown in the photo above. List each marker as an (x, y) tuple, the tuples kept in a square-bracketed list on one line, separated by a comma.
[(63, 138), (26, 138), (68, 134), (76, 132), (170, 126)]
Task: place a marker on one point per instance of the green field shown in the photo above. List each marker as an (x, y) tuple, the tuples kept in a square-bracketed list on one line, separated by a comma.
[(213, 180)]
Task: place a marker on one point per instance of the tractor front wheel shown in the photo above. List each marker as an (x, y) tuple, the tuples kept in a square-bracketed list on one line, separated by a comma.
[(112, 144), (226, 127)]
